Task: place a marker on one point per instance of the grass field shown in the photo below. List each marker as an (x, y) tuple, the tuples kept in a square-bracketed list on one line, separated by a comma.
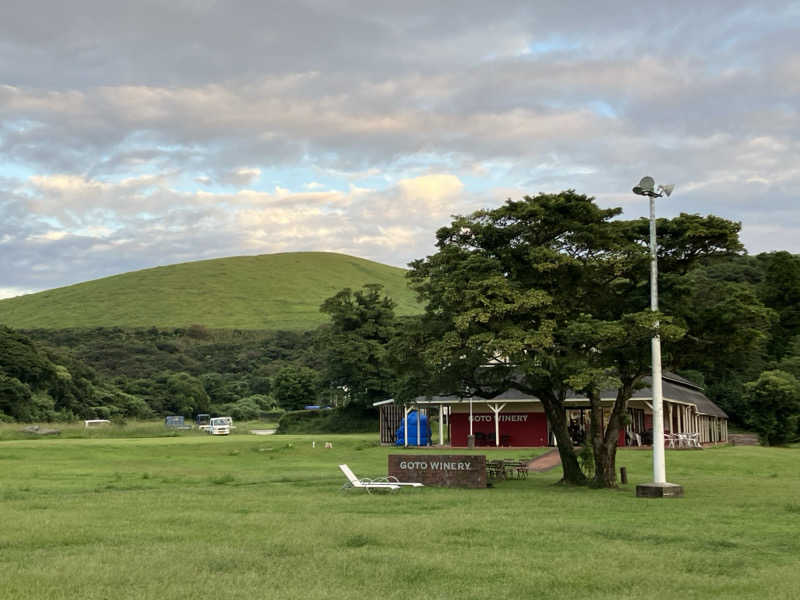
[(272, 291), (263, 517)]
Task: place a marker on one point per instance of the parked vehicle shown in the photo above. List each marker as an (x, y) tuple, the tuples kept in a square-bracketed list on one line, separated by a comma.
[(220, 425), (202, 421)]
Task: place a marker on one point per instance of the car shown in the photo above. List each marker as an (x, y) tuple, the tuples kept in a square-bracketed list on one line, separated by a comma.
[(220, 425)]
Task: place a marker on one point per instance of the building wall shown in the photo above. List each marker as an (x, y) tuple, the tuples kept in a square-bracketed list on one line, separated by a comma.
[(517, 428)]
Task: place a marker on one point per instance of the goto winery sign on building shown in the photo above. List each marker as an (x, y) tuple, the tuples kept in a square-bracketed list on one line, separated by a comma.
[(444, 470)]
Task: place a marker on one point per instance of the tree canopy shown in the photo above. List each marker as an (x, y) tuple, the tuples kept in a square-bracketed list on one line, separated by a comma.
[(552, 292), (354, 347)]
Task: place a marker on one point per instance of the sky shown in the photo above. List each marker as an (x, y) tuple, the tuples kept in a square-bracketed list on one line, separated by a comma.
[(138, 134)]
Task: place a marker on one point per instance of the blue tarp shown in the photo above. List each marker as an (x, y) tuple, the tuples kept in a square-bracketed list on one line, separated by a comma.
[(424, 432)]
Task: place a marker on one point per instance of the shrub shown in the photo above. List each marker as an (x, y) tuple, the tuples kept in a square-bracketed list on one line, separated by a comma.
[(340, 420), (245, 409), (775, 400)]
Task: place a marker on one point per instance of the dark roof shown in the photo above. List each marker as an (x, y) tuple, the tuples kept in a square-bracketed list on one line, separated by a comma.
[(669, 376), (674, 387)]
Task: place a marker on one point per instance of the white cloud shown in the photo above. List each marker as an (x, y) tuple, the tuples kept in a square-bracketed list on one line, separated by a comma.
[(13, 292), (241, 176), (326, 132)]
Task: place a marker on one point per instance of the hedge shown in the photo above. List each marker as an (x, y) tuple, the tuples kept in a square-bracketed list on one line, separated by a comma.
[(337, 420)]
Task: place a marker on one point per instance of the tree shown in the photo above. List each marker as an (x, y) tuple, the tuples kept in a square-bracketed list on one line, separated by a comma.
[(553, 291), (294, 387), (15, 399), (354, 346), (780, 290), (728, 333), (775, 398), (185, 395), (21, 359)]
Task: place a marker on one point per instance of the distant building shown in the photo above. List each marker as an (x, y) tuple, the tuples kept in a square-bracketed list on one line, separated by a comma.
[(517, 419)]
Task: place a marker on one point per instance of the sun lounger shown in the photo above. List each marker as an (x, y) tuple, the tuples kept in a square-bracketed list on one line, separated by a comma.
[(384, 483)]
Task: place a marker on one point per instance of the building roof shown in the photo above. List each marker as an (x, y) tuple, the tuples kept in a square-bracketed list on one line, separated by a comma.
[(674, 388)]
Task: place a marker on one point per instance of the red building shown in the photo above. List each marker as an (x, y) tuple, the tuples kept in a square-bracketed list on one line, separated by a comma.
[(517, 419)]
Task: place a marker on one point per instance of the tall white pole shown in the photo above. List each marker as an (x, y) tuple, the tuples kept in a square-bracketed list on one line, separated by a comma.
[(659, 468)]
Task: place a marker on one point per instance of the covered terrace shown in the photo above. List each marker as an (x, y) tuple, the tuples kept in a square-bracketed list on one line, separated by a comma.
[(516, 419)]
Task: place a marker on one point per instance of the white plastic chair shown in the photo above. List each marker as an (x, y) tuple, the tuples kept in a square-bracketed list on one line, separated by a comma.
[(384, 483)]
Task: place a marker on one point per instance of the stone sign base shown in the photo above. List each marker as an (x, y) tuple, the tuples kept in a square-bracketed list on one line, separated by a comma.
[(659, 490), (443, 470)]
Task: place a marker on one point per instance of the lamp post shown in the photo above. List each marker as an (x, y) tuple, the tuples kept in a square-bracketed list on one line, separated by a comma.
[(659, 487)]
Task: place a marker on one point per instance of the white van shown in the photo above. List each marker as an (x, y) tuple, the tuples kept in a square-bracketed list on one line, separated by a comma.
[(220, 425)]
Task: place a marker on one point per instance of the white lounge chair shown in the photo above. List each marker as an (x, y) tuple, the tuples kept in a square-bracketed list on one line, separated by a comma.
[(384, 483)]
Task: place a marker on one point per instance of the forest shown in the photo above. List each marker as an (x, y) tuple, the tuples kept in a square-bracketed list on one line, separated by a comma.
[(737, 319)]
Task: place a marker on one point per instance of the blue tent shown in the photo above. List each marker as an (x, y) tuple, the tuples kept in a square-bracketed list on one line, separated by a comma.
[(424, 431)]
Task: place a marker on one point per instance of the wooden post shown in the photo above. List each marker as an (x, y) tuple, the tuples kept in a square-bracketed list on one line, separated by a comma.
[(623, 475), (405, 426), (669, 416), (441, 425), (496, 410)]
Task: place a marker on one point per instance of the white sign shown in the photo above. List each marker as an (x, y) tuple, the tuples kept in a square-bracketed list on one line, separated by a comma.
[(421, 465), (503, 418)]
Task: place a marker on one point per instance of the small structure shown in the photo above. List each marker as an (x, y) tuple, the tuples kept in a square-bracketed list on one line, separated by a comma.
[(413, 431), (175, 422), (96, 422), (202, 421), (514, 418)]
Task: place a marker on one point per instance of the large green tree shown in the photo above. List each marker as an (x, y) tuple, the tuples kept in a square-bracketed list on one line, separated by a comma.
[(780, 291), (553, 291), (353, 348), (775, 397), (295, 386)]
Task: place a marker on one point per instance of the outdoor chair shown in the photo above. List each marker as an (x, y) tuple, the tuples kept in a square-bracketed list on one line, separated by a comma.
[(693, 440), (383, 483), (495, 469)]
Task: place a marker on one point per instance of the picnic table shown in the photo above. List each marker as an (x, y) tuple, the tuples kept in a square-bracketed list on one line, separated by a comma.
[(509, 468)]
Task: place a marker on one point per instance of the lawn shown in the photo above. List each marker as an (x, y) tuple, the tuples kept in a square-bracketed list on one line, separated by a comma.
[(263, 517)]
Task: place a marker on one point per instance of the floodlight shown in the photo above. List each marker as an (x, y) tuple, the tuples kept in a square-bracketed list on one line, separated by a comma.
[(659, 487), (667, 189), (645, 187)]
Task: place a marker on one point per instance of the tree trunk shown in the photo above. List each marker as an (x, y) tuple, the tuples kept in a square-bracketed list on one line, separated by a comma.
[(556, 415), (604, 442)]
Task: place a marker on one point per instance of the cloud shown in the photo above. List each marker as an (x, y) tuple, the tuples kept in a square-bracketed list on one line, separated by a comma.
[(241, 176), (173, 131), (144, 222)]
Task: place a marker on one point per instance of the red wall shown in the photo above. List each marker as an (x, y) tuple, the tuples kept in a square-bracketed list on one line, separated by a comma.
[(525, 429)]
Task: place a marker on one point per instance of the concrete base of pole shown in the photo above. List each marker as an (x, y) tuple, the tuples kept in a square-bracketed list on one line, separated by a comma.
[(659, 490), (470, 441)]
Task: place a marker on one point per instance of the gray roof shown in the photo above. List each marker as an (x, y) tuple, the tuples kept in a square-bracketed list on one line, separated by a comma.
[(674, 387), (690, 394)]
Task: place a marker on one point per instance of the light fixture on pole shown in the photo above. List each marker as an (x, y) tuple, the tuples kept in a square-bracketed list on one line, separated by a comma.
[(659, 487)]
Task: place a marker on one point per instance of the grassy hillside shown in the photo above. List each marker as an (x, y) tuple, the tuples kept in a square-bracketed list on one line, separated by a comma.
[(272, 291)]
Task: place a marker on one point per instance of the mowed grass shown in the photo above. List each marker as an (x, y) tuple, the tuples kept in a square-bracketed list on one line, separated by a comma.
[(263, 517), (272, 291)]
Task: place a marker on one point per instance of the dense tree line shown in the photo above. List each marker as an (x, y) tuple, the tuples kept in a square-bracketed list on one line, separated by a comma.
[(553, 285)]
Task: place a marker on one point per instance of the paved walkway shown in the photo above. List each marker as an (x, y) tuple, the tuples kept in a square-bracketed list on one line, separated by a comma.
[(545, 462)]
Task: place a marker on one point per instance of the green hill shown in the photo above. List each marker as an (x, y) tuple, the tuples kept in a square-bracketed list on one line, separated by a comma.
[(272, 291)]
